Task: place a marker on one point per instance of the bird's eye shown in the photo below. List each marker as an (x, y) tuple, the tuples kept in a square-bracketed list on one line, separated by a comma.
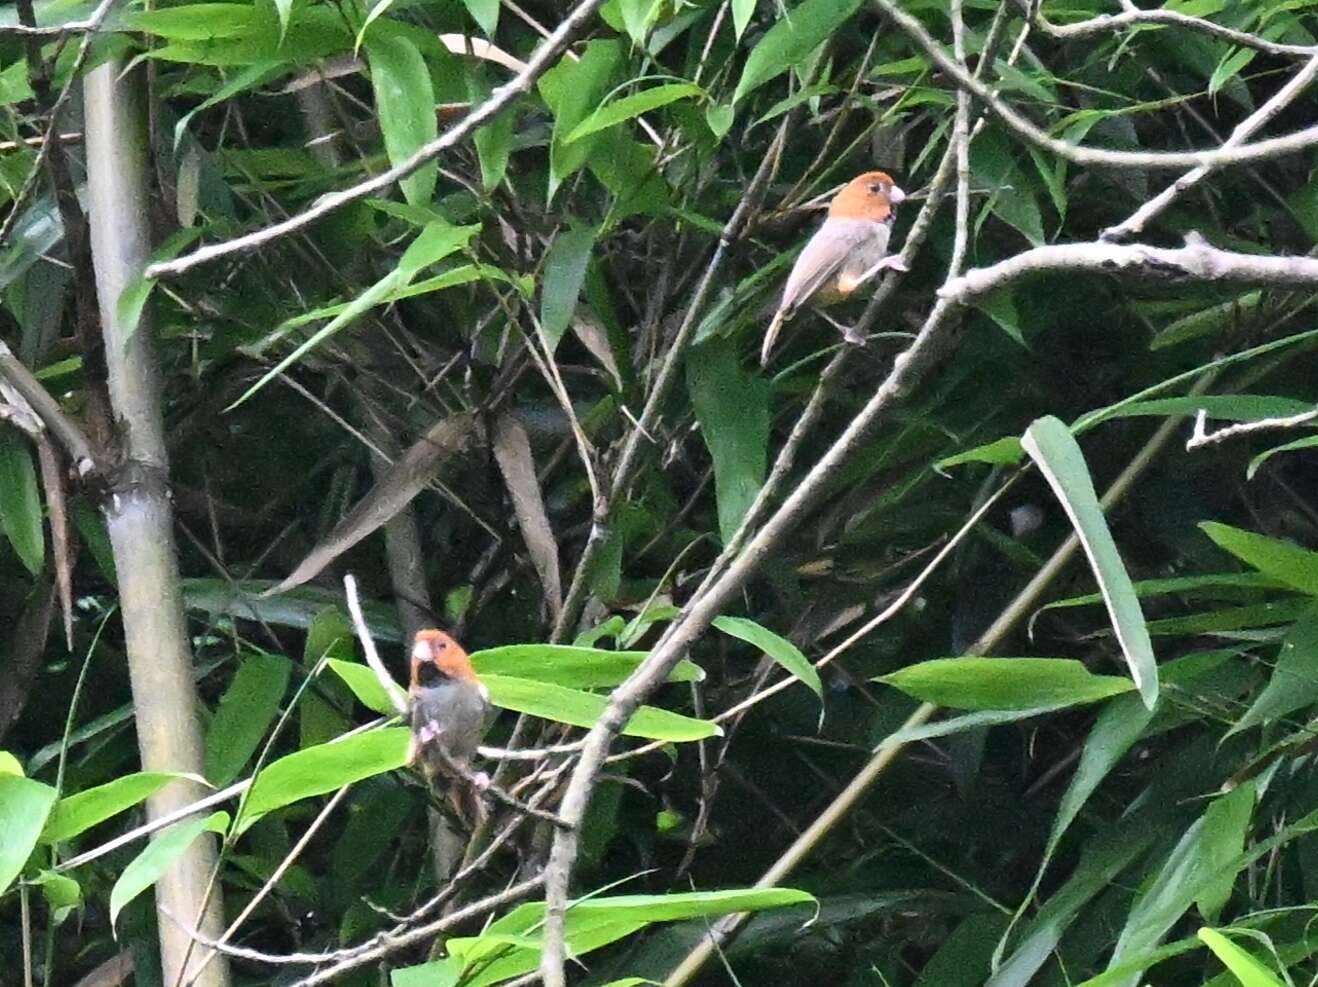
[(875, 187), (441, 645)]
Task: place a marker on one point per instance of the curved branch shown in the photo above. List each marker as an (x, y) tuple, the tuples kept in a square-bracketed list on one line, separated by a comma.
[(1133, 16), (1197, 260), (1279, 100), (519, 85), (1220, 157)]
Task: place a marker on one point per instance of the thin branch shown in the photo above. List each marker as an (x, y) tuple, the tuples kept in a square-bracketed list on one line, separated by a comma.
[(75, 443), (1202, 437), (49, 146), (503, 96), (629, 459), (1132, 16), (90, 26), (1220, 157), (961, 142), (1196, 261), (397, 696), (887, 751), (1244, 130)]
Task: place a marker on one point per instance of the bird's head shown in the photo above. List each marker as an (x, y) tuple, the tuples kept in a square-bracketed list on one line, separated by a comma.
[(436, 657), (873, 196)]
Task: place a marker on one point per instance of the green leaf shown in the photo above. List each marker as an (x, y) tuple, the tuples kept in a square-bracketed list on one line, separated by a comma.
[(133, 298), (485, 13), (1199, 862), (24, 805), (435, 242), (1004, 683), (75, 813), (246, 711), (791, 40), (570, 665), (572, 90), (719, 117), (1249, 971), (405, 104), (565, 272), (1229, 68), (1118, 726), (363, 683), (494, 141), (595, 922), (781, 650), (1296, 567), (60, 891), (283, 8), (1005, 451), (1294, 682), (1306, 443), (1051, 446), (583, 709), (732, 408), (1226, 825), (1227, 407), (741, 16), (20, 503), (620, 110), (323, 768), (165, 847)]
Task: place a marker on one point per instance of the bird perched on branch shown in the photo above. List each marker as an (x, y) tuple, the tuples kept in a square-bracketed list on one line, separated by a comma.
[(849, 249), (449, 709)]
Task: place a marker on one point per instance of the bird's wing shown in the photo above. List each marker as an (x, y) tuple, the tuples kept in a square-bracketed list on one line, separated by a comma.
[(822, 259)]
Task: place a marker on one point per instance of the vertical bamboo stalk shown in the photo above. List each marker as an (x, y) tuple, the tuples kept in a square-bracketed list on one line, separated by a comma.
[(137, 508)]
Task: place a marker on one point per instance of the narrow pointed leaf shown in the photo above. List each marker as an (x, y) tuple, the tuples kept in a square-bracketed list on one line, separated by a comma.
[(1054, 450)]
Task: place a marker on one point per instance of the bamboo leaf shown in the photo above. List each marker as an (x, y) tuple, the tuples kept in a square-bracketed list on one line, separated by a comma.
[(165, 848), (1053, 449), (405, 103), (781, 650), (791, 39)]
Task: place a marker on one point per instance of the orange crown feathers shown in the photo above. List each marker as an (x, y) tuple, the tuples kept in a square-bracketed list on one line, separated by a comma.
[(868, 196), (436, 648)]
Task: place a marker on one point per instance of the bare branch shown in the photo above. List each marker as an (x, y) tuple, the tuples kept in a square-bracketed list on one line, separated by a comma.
[(70, 436), (1202, 437), (1247, 127), (89, 26), (397, 696), (1196, 261), (1104, 23), (502, 97), (1220, 157)]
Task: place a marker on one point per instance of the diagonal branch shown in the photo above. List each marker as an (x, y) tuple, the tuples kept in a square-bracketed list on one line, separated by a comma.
[(1220, 157), (1195, 261), (1282, 98), (503, 96), (66, 431), (1133, 16)]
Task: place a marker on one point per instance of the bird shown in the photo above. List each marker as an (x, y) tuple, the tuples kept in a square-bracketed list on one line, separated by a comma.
[(846, 251), (449, 710)]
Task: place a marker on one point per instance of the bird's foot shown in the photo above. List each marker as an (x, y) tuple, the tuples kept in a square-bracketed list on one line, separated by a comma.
[(893, 262), (481, 780)]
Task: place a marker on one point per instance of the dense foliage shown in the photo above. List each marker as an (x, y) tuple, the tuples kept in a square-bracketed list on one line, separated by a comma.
[(532, 365)]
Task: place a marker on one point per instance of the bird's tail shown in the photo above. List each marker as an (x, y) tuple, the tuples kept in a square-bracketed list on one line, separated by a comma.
[(771, 334)]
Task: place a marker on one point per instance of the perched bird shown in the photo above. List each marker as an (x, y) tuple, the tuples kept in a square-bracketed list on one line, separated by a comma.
[(449, 709), (848, 250)]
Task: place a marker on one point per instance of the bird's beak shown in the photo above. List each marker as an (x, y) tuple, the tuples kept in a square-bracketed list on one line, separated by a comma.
[(896, 195), (421, 651)]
